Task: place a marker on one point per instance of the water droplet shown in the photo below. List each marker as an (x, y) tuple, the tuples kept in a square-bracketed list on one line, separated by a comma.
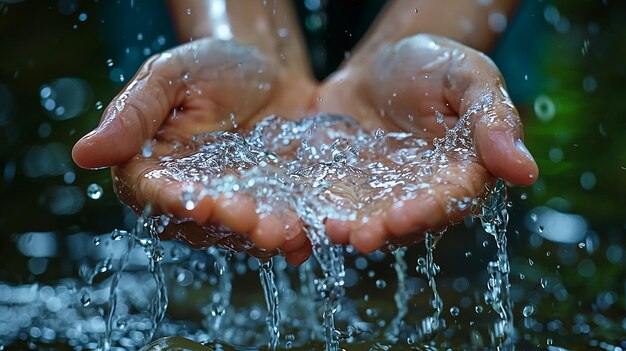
[(146, 149), (98, 105), (454, 311), (478, 309), (85, 298), (543, 282), (528, 311), (485, 243), (468, 254), (117, 234), (379, 134), (531, 262), (523, 196), (96, 241), (109, 63), (94, 191), (121, 323), (581, 245), (381, 284)]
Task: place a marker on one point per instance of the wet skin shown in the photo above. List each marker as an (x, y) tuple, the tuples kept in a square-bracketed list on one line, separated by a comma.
[(195, 88)]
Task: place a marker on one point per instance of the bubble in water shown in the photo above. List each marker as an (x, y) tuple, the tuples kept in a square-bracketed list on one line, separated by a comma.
[(98, 105), (96, 241), (94, 191), (528, 311), (478, 309), (381, 284), (454, 311)]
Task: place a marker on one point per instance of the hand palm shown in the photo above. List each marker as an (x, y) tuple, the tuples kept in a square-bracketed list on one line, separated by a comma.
[(213, 84)]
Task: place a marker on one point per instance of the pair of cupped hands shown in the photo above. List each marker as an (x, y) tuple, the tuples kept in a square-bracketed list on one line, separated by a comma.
[(196, 87)]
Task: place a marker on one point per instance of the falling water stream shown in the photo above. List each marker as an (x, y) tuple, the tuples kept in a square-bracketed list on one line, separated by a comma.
[(270, 291)]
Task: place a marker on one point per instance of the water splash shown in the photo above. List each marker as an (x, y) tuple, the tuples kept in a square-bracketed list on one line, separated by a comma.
[(494, 219), (431, 325), (220, 300), (401, 296), (144, 234), (270, 291)]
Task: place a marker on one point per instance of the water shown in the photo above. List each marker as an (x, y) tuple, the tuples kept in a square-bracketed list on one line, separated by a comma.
[(494, 219), (268, 282), (431, 325), (321, 167)]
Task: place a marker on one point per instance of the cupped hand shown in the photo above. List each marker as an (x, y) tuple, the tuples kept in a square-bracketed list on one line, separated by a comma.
[(426, 85), (203, 86)]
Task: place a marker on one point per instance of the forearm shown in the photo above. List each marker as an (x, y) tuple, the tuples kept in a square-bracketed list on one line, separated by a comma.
[(270, 26), (466, 21)]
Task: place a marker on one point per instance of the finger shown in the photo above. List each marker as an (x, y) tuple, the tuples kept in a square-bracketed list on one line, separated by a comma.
[(369, 235), (295, 236), (338, 231), (134, 115), (300, 255), (237, 212), (497, 127), (140, 182), (269, 233), (446, 202), (415, 215)]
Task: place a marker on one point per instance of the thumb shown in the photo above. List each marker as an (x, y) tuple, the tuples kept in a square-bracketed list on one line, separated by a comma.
[(133, 116), (498, 134)]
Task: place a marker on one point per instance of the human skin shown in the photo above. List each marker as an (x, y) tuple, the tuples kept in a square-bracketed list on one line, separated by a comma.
[(191, 89)]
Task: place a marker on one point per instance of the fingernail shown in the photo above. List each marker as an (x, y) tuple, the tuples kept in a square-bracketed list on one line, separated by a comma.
[(519, 144)]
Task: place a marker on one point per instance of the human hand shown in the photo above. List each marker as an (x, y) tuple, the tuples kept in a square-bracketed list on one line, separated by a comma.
[(203, 86), (403, 87)]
